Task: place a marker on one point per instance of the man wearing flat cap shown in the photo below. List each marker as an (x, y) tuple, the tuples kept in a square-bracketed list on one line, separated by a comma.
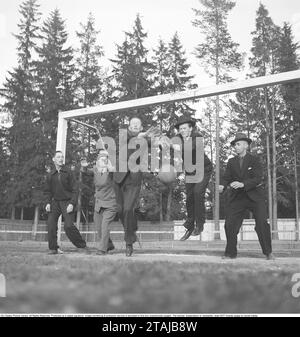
[(243, 177), (195, 192)]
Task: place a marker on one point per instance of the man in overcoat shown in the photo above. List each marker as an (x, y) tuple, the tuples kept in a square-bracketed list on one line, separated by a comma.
[(243, 177)]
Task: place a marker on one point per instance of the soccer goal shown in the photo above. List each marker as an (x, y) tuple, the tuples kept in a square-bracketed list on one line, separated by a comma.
[(214, 90)]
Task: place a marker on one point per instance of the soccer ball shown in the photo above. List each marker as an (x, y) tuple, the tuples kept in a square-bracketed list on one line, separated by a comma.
[(167, 174)]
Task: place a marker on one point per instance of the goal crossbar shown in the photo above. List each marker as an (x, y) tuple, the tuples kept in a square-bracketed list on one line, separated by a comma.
[(214, 90)]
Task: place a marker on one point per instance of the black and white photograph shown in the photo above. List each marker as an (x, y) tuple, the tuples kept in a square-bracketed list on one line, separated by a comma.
[(150, 161)]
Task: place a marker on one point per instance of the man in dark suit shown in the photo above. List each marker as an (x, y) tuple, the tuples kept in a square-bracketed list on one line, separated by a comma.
[(243, 178), (195, 192), (61, 192), (128, 184)]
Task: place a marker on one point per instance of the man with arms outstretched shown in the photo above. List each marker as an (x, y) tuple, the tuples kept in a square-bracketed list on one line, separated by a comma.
[(128, 184)]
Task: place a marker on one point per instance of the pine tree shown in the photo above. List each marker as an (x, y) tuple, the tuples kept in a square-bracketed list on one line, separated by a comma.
[(264, 61), (288, 60), (140, 70), (132, 71), (4, 169), (55, 73), (219, 54), (161, 82), (89, 79), (93, 85), (88, 93), (20, 101), (245, 107), (265, 44), (179, 78)]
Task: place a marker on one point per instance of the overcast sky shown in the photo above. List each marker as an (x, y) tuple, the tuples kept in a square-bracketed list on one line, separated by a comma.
[(160, 18)]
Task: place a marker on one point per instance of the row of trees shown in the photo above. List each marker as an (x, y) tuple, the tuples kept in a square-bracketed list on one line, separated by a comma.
[(271, 115), (51, 76)]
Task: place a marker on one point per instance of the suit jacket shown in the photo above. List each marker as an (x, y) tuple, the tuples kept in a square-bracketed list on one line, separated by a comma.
[(104, 188), (251, 174), (118, 176), (69, 186), (207, 163)]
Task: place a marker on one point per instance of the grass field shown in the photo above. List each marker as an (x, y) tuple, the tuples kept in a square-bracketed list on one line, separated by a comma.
[(148, 282)]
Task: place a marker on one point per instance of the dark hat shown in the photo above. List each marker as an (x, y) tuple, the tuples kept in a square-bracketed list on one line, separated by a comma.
[(182, 120), (241, 136)]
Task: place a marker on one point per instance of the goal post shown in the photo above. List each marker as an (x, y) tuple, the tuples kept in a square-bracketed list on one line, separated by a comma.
[(62, 129)]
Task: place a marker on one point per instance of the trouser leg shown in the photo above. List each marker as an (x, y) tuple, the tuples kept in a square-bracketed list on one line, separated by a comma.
[(262, 226), (71, 230), (190, 206), (120, 200), (233, 223), (131, 190), (199, 201), (107, 216), (54, 214)]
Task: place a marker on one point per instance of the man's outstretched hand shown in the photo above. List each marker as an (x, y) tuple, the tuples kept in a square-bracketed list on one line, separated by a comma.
[(237, 184), (152, 132), (70, 208), (84, 163)]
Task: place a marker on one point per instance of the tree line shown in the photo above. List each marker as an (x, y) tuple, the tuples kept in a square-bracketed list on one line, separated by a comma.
[(52, 76)]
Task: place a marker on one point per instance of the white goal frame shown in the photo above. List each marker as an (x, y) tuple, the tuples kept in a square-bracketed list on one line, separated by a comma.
[(214, 90)]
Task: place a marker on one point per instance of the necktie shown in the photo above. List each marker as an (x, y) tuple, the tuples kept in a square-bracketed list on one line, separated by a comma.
[(241, 162)]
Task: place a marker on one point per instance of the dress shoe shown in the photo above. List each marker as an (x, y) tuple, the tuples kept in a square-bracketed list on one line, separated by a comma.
[(84, 250), (129, 250), (270, 257), (188, 223), (55, 251), (187, 234), (100, 252), (198, 229), (110, 247), (227, 257)]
